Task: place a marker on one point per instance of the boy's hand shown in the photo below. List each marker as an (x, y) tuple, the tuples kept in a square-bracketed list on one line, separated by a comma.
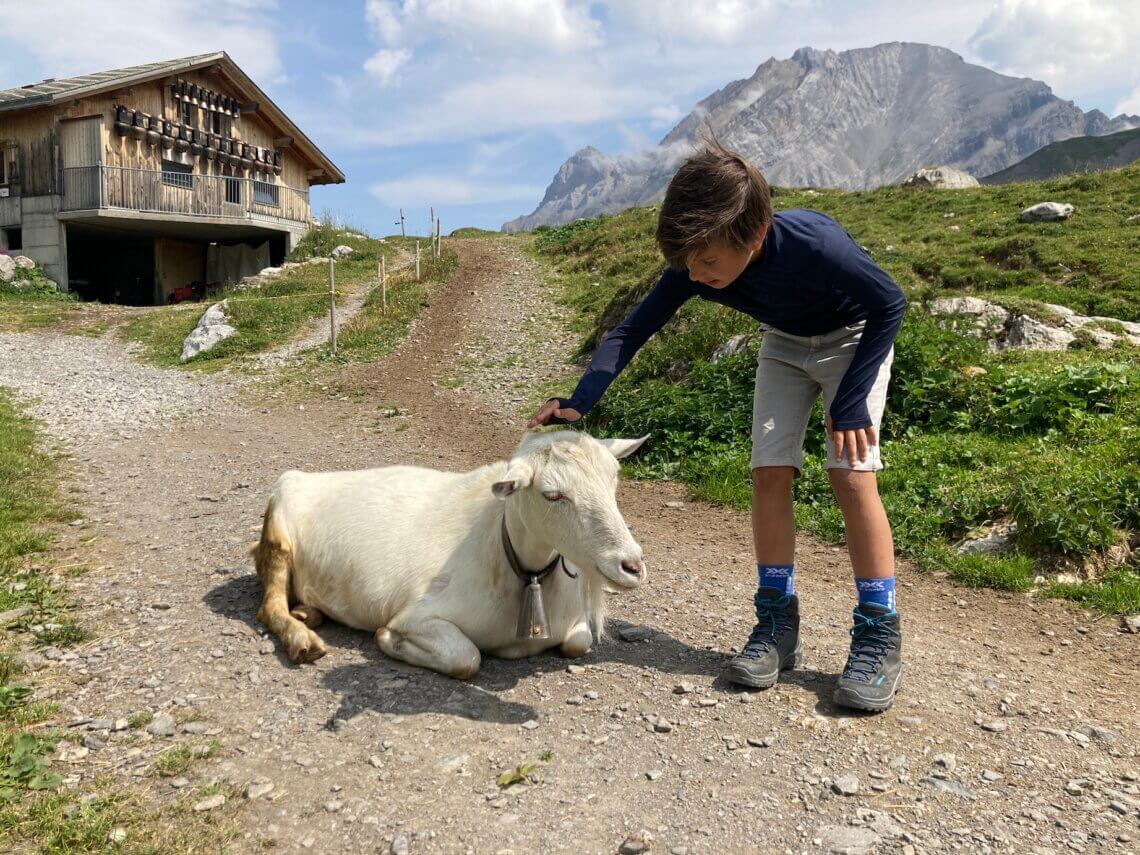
[(854, 442), (551, 410)]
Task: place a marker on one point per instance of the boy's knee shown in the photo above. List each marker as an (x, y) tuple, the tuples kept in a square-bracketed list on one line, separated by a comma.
[(767, 478), (851, 486)]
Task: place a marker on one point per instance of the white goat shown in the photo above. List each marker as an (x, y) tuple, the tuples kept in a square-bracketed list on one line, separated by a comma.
[(418, 556)]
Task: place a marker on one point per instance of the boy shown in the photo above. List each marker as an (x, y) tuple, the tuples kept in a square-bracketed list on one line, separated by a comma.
[(830, 317)]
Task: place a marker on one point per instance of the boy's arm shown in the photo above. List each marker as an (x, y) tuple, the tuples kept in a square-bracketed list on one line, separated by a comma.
[(856, 274), (624, 340)]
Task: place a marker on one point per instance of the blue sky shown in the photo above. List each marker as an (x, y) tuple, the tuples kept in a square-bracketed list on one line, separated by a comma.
[(471, 106)]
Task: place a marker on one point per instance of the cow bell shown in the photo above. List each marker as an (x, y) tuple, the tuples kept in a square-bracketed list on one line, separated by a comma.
[(532, 618)]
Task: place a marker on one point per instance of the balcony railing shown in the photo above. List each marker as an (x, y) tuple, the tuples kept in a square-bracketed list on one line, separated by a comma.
[(151, 190)]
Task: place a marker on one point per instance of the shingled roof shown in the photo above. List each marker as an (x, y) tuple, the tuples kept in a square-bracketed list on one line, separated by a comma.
[(52, 91)]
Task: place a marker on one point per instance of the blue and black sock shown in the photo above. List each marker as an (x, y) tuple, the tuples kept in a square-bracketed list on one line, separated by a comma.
[(878, 591), (780, 576)]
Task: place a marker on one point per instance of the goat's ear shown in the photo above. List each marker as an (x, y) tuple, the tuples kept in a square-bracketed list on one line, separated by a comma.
[(519, 474), (620, 448)]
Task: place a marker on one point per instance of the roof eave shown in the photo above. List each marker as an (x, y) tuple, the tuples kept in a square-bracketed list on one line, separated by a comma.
[(202, 61)]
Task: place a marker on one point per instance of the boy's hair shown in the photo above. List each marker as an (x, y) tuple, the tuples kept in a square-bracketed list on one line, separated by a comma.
[(715, 195)]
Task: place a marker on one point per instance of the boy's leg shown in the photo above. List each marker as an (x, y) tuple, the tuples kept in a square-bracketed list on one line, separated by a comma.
[(868, 531), (874, 665), (781, 408), (773, 518)]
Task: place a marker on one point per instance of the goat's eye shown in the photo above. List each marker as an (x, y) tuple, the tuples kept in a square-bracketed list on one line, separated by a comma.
[(552, 496)]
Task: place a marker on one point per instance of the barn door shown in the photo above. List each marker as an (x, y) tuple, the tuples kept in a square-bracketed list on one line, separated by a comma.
[(81, 141)]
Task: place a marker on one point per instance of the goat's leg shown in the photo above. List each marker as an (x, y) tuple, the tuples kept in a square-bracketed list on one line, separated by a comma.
[(274, 561), (308, 615), (578, 639), (430, 643)]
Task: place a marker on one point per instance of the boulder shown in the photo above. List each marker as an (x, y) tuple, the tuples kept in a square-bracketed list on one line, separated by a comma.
[(212, 328), (996, 540), (989, 318), (269, 271), (1025, 333), (23, 262), (942, 178), (1046, 212), (736, 344), (7, 268), (342, 251)]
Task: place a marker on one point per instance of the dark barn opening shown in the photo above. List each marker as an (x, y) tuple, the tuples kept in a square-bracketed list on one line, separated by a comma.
[(111, 266), (136, 265)]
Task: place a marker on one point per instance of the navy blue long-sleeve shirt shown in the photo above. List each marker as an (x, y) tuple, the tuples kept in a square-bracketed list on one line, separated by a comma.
[(811, 279)]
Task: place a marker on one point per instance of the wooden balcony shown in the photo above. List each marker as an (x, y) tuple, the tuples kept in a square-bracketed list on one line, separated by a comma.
[(154, 192)]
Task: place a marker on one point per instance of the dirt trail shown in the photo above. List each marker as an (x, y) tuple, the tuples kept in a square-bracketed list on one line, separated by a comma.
[(316, 332), (1016, 728)]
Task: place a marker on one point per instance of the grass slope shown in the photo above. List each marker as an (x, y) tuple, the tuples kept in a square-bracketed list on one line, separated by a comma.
[(273, 314), (1080, 154), (1049, 441)]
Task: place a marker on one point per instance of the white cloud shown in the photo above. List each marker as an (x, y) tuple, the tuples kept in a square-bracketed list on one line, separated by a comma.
[(1073, 45), (506, 102), (70, 37), (436, 189), (561, 25), (384, 64), (665, 114), (721, 21), (1130, 105)]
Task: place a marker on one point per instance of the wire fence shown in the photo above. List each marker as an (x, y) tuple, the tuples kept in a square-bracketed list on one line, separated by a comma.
[(384, 277)]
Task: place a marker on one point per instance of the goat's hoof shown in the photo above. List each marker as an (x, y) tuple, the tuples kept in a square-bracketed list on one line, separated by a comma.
[(307, 648), (310, 617)]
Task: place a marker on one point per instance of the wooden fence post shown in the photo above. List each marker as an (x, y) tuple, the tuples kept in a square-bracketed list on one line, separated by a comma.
[(417, 261), (438, 241), (332, 305), (383, 287)]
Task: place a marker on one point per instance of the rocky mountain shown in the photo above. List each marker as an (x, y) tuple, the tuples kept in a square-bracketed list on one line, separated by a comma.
[(853, 120), (1080, 154)]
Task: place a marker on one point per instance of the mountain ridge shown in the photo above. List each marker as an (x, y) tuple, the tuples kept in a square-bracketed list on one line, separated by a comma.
[(852, 120)]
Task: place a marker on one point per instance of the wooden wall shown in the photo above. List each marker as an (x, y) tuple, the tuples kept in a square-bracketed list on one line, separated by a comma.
[(36, 134), (33, 132), (177, 263)]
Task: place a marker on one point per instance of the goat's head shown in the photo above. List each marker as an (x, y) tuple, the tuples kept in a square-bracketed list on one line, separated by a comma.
[(565, 487)]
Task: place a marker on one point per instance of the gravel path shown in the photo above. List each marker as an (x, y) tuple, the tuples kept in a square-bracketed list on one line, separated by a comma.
[(1017, 728), (90, 391), (518, 336)]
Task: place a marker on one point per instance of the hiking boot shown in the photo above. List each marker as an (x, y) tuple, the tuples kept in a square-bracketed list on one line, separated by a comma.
[(774, 644), (874, 667)]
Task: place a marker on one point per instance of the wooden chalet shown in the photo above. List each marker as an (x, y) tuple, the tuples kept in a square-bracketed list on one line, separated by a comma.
[(142, 184)]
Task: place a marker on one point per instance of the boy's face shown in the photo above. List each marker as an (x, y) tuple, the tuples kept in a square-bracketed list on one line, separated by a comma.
[(720, 263)]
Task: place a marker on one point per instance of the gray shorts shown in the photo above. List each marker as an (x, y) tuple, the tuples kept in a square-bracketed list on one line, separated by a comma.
[(791, 371)]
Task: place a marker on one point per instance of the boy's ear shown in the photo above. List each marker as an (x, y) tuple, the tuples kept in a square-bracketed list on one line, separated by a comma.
[(758, 241)]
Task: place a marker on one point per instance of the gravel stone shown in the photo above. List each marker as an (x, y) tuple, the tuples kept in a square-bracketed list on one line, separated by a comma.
[(210, 803), (639, 841), (162, 725), (846, 785)]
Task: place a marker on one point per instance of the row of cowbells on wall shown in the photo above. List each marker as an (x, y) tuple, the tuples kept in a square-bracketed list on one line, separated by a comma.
[(172, 135), (202, 98)]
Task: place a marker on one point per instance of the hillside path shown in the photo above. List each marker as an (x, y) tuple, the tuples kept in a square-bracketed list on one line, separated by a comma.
[(1016, 729)]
